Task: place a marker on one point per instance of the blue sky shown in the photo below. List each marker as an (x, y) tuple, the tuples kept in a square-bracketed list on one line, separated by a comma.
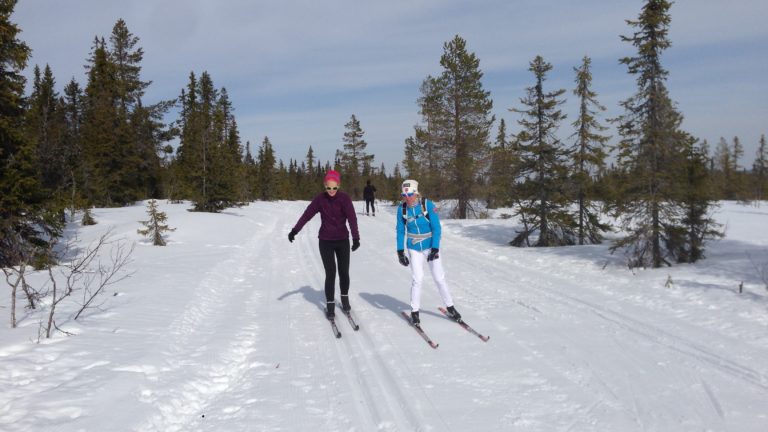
[(297, 70)]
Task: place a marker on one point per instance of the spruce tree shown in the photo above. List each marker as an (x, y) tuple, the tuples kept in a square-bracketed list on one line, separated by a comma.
[(588, 155), (46, 128), (156, 225), (502, 172), (457, 120), (126, 57), (88, 217), (310, 161), (425, 158), (226, 167), (250, 173), (354, 157), (210, 152), (121, 136), (697, 224), (410, 158), (267, 174), (543, 195), (73, 152), (150, 133), (104, 132), (723, 165), (27, 226), (652, 150), (313, 175), (760, 170), (739, 180)]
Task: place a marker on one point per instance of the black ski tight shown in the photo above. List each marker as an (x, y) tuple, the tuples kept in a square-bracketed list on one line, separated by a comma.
[(369, 202), (339, 248)]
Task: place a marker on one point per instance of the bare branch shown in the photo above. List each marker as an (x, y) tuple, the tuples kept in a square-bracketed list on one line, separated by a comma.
[(14, 285), (108, 274)]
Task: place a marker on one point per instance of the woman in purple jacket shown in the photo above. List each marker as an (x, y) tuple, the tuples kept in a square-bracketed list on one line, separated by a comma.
[(336, 209)]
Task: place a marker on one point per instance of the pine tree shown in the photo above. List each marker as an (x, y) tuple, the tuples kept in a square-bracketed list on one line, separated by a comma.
[(457, 119), (652, 149), (156, 225), (588, 155), (544, 200), (27, 226)]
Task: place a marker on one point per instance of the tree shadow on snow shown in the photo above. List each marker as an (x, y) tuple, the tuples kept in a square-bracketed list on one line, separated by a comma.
[(496, 234)]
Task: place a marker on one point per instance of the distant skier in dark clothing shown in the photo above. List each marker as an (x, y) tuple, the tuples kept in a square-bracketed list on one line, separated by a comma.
[(370, 197), (336, 210)]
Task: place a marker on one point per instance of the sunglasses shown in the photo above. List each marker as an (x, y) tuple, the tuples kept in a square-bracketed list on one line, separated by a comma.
[(331, 188), (409, 194)]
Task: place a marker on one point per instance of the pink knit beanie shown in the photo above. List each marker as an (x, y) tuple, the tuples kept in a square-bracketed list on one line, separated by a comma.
[(332, 176)]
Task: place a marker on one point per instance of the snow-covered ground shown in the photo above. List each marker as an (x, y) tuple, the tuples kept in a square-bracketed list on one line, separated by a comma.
[(222, 330)]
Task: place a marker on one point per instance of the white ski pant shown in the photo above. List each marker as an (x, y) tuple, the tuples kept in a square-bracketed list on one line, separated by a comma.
[(417, 275)]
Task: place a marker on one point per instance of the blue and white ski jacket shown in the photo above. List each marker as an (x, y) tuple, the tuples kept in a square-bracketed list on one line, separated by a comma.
[(418, 232)]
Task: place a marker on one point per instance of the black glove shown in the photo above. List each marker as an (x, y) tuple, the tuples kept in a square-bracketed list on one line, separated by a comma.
[(292, 236), (402, 258), (433, 254), (355, 244)]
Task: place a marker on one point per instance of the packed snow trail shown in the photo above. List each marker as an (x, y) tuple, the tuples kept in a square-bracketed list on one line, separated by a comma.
[(224, 330)]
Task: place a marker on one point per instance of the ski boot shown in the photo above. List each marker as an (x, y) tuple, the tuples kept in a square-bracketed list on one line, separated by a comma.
[(345, 306), (330, 310), (415, 318), (454, 314)]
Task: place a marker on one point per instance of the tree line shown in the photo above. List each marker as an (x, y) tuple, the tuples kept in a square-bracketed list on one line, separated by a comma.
[(101, 144)]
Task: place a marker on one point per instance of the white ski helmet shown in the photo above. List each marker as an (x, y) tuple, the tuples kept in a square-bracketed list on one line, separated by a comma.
[(409, 187)]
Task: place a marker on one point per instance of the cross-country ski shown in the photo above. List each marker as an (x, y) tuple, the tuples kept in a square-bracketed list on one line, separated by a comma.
[(419, 330), (464, 325)]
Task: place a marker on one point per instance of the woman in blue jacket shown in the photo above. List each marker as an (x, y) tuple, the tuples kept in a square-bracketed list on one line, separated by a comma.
[(418, 229)]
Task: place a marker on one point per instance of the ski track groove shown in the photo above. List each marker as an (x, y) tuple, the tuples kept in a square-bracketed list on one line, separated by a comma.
[(380, 260), (178, 406), (648, 331), (399, 413)]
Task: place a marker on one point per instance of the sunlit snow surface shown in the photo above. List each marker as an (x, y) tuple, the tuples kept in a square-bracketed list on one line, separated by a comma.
[(222, 330)]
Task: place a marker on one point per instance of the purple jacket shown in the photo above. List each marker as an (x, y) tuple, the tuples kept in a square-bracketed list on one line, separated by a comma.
[(334, 214)]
